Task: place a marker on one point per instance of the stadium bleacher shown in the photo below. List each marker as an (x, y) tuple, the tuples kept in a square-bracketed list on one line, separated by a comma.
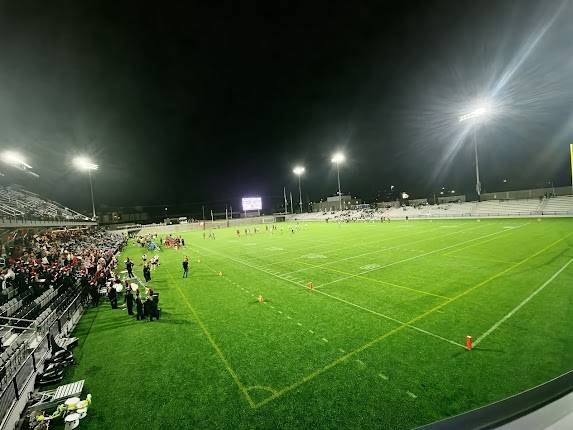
[(561, 205), (37, 286), (15, 201)]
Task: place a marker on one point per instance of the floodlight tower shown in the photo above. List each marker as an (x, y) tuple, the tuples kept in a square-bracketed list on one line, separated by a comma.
[(298, 171), (337, 159), (83, 164), (16, 160), (479, 114)]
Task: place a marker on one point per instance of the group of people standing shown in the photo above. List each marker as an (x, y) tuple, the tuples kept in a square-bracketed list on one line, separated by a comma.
[(144, 309), (147, 308)]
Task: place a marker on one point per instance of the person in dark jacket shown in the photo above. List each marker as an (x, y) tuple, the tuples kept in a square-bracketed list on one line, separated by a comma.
[(185, 265), (146, 272), (139, 306), (112, 295), (129, 267), (128, 298)]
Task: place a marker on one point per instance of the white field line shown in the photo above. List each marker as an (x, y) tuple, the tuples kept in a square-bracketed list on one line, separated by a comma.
[(401, 323), (481, 243), (381, 250), (339, 249), (237, 243), (415, 257), (519, 306)]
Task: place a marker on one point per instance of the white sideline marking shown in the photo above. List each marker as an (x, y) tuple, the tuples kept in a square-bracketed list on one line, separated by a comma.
[(415, 257), (280, 312), (369, 266), (288, 317), (519, 306), (324, 339), (345, 301), (360, 362), (341, 350), (299, 324), (387, 249), (412, 395), (421, 330), (383, 376), (310, 331)]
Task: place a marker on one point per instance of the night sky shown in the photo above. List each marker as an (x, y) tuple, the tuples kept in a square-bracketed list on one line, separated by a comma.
[(184, 102)]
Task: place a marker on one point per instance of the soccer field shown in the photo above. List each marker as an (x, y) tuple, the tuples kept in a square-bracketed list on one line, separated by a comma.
[(378, 343)]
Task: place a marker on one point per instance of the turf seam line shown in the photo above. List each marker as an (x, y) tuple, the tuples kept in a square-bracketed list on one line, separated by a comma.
[(520, 305)]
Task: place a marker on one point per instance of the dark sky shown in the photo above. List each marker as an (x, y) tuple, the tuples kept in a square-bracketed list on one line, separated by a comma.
[(183, 102)]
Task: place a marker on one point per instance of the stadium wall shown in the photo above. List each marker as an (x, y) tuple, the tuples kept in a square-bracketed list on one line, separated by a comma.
[(203, 225), (527, 194)]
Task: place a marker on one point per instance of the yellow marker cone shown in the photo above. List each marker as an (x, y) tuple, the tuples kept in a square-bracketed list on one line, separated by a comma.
[(261, 299), (220, 273)]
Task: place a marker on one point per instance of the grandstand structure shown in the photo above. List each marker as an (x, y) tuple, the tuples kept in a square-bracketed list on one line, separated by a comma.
[(20, 207), (551, 206)]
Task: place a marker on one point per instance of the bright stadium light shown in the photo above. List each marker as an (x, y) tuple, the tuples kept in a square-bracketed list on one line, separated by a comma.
[(479, 113), (338, 158), (15, 159), (298, 171), (85, 164)]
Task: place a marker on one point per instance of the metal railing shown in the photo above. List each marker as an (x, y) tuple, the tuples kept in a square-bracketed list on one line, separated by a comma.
[(14, 388)]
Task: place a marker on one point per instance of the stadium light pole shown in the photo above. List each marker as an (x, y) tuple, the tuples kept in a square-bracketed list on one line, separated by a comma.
[(83, 164), (478, 114), (298, 171), (337, 159)]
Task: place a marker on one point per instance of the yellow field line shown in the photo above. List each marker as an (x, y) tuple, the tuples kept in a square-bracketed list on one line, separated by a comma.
[(376, 280), (405, 325), (233, 374)]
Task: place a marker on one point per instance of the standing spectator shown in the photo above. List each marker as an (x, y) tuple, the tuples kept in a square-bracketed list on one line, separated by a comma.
[(129, 267), (94, 292), (112, 294), (138, 306), (185, 267), (128, 298), (146, 272)]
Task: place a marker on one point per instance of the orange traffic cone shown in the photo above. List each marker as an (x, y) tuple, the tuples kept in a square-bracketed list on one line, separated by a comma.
[(468, 343), (310, 286)]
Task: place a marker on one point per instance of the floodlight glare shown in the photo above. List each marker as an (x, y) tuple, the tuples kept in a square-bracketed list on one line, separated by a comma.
[(298, 170), (84, 163), (15, 159), (481, 111), (338, 158)]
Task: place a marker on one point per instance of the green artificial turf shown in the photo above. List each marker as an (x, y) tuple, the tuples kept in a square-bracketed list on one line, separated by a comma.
[(378, 344)]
